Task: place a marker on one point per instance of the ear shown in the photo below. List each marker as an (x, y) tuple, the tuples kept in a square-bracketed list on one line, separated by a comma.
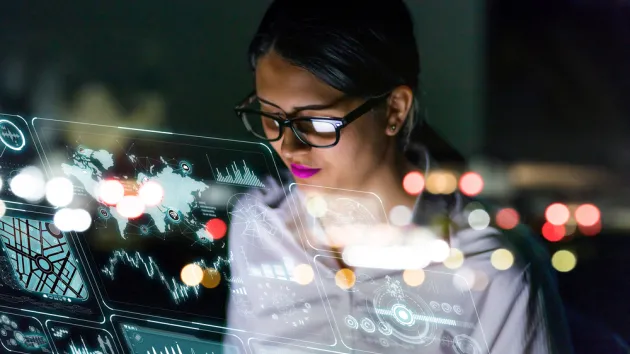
[(398, 105)]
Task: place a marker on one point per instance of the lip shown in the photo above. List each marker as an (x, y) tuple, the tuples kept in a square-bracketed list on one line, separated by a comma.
[(303, 171)]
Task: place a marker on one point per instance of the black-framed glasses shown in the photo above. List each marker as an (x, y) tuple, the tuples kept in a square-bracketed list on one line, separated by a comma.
[(316, 131)]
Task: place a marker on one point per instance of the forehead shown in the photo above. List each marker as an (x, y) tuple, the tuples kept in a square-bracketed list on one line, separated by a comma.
[(285, 84)]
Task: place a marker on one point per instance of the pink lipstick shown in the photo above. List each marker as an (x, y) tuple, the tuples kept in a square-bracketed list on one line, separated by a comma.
[(303, 171)]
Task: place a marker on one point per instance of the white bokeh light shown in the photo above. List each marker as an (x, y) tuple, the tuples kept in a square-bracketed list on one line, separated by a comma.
[(478, 219), (464, 279), (81, 220), (64, 219), (110, 191), (151, 193), (400, 215), (29, 184), (391, 257), (1, 183), (130, 206), (439, 250), (59, 191)]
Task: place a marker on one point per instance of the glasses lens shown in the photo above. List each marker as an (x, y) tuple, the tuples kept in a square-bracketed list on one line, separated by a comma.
[(261, 124), (317, 132)]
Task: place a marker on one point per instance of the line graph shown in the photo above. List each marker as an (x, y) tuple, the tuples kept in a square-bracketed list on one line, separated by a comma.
[(143, 340), (179, 291), (105, 347)]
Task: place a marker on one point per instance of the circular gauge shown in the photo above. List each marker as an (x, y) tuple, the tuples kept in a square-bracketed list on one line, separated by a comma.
[(463, 344), (408, 316)]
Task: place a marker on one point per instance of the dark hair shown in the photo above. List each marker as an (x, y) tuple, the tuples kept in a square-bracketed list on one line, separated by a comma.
[(361, 48)]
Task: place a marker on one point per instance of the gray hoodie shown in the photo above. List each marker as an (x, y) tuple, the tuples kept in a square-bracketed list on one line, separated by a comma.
[(472, 309)]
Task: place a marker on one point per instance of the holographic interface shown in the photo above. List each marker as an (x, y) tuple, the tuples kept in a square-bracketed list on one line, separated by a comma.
[(177, 244)]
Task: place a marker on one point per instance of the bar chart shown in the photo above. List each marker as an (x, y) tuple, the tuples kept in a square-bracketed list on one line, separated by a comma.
[(242, 176)]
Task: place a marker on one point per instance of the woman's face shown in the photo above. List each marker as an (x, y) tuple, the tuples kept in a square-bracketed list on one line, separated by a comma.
[(362, 147)]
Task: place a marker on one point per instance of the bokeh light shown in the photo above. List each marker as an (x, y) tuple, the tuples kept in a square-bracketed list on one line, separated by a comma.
[(413, 183), (59, 191), (29, 184), (464, 279), (3, 208), (478, 219), (507, 218), (130, 206), (439, 250), (570, 227), (564, 261), (211, 278), (67, 219), (441, 182), (587, 215), (64, 219), (590, 230), (557, 214), (81, 220), (471, 184), (413, 277), (151, 193), (192, 274), (345, 278), (400, 215), (481, 281), (303, 274), (216, 228), (553, 233), (111, 191), (1, 183), (316, 206), (502, 259), (455, 259)]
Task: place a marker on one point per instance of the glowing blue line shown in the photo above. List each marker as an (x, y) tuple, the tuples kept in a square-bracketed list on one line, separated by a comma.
[(145, 130)]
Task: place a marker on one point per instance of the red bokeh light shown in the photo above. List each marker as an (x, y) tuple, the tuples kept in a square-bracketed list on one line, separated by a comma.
[(591, 230), (507, 218), (471, 184), (553, 233), (413, 183), (557, 214), (587, 215), (216, 228)]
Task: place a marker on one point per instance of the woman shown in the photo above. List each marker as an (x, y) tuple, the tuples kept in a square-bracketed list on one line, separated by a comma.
[(335, 87)]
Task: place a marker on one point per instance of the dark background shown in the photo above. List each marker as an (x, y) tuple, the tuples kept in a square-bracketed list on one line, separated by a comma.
[(508, 83)]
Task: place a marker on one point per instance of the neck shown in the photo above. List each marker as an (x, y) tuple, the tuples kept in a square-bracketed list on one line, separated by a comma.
[(386, 181)]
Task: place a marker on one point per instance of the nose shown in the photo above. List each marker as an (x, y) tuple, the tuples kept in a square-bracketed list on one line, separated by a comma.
[(291, 145)]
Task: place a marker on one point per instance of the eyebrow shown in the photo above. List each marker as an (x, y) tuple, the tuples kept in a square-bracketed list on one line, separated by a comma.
[(313, 107)]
